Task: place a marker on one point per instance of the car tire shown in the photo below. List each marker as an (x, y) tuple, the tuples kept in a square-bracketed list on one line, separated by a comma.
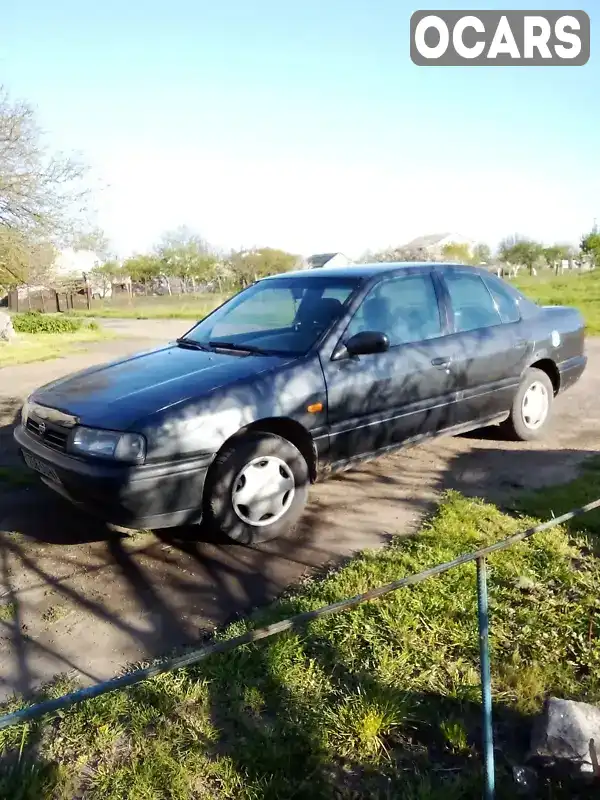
[(256, 489), (531, 408)]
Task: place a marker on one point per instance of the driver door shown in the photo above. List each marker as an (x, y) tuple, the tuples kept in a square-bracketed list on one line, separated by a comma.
[(378, 401)]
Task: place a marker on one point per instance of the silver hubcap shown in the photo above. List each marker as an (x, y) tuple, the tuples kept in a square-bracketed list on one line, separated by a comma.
[(534, 408), (263, 491)]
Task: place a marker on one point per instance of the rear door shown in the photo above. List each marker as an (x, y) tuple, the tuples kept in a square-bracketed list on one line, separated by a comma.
[(380, 400), (489, 346)]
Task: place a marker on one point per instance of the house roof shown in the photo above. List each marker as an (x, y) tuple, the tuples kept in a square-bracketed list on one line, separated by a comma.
[(319, 259)]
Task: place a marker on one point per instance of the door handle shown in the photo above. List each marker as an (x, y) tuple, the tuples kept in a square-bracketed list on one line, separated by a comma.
[(521, 343), (442, 362)]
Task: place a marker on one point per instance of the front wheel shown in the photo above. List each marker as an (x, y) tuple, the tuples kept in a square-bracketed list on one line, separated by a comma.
[(257, 488), (531, 408)]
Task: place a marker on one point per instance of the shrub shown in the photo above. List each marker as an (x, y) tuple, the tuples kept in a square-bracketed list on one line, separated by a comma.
[(36, 322)]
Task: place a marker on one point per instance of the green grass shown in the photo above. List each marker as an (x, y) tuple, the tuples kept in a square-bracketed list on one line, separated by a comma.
[(29, 347), (55, 613), (7, 612), (36, 322), (381, 702), (195, 307), (581, 290)]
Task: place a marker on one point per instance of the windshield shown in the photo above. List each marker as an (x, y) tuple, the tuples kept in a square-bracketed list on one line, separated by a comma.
[(280, 316)]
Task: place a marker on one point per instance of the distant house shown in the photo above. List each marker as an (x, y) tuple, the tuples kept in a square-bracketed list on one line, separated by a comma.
[(327, 260), (432, 245)]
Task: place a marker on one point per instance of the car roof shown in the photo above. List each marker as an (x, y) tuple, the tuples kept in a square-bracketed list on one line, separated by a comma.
[(365, 271)]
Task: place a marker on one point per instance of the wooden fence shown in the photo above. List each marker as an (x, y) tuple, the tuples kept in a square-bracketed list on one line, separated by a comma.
[(47, 300)]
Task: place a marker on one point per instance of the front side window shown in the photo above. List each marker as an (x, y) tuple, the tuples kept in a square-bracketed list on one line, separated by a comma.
[(405, 309), (282, 316), (472, 304)]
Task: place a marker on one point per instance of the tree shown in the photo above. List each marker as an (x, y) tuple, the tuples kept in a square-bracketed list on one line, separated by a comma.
[(143, 269), (453, 251), (590, 246), (185, 255), (96, 241), (23, 260), (518, 251), (248, 265), (40, 192), (527, 253), (41, 195), (482, 254), (101, 278), (555, 254)]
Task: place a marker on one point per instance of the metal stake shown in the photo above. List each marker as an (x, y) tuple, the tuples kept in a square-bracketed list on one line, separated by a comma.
[(486, 679)]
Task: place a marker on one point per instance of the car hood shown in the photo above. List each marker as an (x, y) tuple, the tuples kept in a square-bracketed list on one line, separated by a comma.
[(118, 394)]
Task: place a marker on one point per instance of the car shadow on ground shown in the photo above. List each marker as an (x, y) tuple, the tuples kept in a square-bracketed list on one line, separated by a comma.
[(86, 598)]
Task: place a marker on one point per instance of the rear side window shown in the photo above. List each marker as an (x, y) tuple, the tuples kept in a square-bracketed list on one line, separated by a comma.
[(472, 304), (505, 302)]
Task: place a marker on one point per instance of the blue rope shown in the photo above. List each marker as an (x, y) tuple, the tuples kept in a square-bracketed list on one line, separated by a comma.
[(486, 678)]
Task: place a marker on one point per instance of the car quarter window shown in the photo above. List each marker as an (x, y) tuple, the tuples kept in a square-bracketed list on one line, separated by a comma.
[(404, 308), (472, 304), (505, 302)]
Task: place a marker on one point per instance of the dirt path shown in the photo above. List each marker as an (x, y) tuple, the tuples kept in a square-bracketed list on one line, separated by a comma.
[(82, 599)]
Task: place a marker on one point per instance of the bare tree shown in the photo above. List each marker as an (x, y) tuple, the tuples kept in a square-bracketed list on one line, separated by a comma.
[(41, 192), (95, 240)]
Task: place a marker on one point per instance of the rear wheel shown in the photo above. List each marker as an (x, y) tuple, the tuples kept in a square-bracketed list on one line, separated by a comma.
[(257, 488), (531, 408)]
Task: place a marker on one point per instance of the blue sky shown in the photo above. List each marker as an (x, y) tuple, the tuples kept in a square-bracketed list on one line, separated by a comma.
[(304, 125)]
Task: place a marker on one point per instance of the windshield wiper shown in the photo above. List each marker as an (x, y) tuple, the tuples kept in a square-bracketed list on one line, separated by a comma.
[(242, 348), (193, 345)]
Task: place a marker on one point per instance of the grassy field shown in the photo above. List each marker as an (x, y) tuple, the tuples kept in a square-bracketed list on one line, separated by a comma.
[(182, 307), (31, 347), (571, 289), (379, 702)]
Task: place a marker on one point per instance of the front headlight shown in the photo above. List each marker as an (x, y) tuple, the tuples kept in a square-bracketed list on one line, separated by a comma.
[(127, 447), (25, 412)]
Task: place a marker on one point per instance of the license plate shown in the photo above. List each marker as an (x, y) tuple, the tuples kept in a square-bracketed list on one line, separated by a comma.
[(41, 467)]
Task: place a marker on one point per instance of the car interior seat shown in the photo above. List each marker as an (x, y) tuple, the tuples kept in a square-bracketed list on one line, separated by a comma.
[(320, 314), (377, 315)]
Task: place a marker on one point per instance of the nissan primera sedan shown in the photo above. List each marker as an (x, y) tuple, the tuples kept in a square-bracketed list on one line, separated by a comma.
[(296, 376)]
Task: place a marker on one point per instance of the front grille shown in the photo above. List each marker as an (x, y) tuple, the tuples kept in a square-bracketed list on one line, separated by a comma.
[(52, 436)]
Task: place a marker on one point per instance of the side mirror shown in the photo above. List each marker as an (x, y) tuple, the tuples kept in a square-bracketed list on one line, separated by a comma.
[(367, 342)]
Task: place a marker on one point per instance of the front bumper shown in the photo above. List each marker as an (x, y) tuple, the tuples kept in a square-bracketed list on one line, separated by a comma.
[(148, 496)]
